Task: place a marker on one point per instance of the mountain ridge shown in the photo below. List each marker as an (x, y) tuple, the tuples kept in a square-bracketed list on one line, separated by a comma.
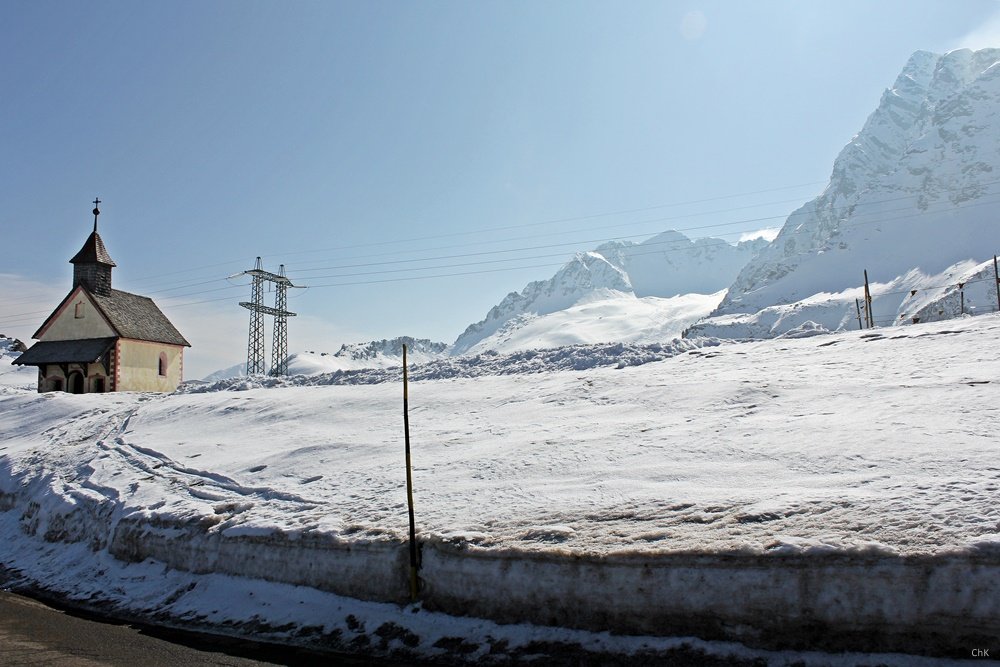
[(906, 196), (664, 266)]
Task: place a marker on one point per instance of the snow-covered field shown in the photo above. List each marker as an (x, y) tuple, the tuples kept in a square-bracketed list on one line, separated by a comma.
[(833, 490)]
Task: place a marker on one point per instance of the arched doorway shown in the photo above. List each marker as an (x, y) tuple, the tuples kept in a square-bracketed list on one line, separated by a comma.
[(76, 382)]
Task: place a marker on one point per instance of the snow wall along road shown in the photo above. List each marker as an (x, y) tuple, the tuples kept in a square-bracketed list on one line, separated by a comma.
[(937, 604)]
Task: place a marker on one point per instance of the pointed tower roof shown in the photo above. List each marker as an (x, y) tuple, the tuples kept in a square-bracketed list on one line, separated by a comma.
[(93, 250)]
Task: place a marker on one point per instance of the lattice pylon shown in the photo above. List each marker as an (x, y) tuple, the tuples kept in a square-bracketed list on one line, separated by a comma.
[(279, 344), (255, 344)]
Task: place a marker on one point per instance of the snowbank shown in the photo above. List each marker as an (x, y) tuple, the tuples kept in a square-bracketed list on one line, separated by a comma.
[(488, 363), (836, 488)]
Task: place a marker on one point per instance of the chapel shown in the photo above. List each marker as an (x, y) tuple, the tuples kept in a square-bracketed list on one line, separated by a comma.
[(99, 339)]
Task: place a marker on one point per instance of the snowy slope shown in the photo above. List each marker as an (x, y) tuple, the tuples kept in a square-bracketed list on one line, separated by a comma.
[(375, 354), (664, 266), (15, 376), (910, 200), (774, 414), (821, 448), (856, 466), (967, 288), (787, 453), (236, 370), (752, 406)]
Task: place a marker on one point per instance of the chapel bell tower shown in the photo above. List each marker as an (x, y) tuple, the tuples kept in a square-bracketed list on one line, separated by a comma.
[(92, 265)]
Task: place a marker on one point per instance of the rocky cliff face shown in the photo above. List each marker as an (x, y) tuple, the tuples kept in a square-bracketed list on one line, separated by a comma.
[(392, 348), (913, 192)]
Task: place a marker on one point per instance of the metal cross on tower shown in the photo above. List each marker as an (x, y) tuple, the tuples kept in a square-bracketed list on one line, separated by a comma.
[(255, 346)]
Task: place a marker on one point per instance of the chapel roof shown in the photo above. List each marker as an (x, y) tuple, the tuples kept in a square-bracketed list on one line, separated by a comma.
[(85, 351), (137, 317)]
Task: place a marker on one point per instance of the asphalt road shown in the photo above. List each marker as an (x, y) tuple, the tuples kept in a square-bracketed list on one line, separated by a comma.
[(32, 633)]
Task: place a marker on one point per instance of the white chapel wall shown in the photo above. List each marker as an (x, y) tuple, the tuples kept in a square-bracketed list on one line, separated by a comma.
[(139, 363), (79, 319)]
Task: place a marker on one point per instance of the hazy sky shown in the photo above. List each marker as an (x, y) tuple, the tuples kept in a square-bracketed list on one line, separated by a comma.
[(358, 142)]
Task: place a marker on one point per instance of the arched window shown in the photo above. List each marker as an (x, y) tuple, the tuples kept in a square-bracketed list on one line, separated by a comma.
[(163, 364)]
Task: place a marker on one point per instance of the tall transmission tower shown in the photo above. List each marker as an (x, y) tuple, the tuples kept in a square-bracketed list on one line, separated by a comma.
[(255, 345), (279, 344)]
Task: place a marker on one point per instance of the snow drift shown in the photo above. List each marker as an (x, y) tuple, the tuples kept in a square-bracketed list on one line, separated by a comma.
[(782, 493)]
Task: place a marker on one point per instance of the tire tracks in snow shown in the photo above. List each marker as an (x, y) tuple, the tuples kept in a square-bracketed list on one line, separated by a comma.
[(201, 484)]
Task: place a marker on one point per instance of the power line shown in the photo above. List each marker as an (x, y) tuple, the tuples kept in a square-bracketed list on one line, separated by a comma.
[(931, 287), (633, 223), (540, 223), (579, 242), (528, 248), (872, 222), (879, 220), (533, 224), (498, 228), (621, 237), (568, 219), (641, 222)]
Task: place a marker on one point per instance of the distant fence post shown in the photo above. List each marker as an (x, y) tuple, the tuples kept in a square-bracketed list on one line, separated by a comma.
[(869, 316), (996, 275), (409, 484)]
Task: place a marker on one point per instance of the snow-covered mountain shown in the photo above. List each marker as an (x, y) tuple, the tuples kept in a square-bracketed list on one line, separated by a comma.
[(384, 353), (910, 200), (11, 348), (236, 370), (638, 287), (390, 351), (671, 264), (601, 317)]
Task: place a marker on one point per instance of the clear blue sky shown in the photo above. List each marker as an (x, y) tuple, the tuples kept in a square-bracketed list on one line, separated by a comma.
[(324, 134)]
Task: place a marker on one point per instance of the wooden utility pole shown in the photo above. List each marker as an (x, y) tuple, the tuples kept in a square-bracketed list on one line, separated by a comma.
[(996, 275), (868, 304), (409, 484)]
